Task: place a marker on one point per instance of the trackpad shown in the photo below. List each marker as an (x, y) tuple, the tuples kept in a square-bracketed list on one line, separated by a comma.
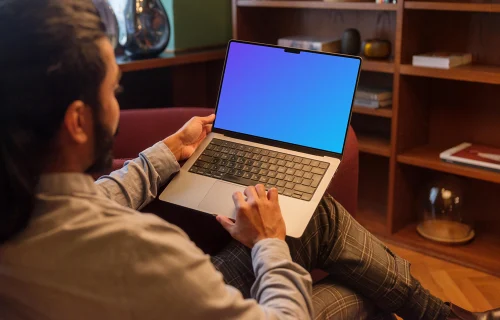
[(219, 200)]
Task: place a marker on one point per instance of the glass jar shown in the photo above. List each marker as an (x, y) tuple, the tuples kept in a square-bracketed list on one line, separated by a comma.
[(443, 217)]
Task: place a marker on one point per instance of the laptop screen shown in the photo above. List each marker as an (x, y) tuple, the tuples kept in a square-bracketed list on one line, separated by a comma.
[(300, 98)]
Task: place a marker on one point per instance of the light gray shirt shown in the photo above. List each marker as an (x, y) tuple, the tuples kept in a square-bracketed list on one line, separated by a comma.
[(89, 254)]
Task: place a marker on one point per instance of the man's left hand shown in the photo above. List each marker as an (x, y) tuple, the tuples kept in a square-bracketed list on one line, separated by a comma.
[(184, 142)]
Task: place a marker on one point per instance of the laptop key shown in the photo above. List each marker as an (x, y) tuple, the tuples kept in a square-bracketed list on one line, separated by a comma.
[(308, 175), (316, 180), (240, 153), (323, 165), (289, 158), (297, 159), (223, 169), (247, 175), (206, 158), (208, 152), (307, 182), (231, 171), (273, 161), (280, 176), (225, 156), (248, 168), (302, 188), (289, 185), (288, 192), (273, 167), (273, 154), (280, 190), (290, 171), (281, 183), (318, 171), (281, 163), (299, 173), (255, 177), (272, 174), (193, 169), (306, 196), (297, 180), (307, 168), (314, 163), (306, 161), (206, 165), (231, 165), (281, 170), (255, 170), (281, 156), (263, 172), (264, 152), (298, 166), (239, 166), (289, 164), (216, 142), (217, 174), (265, 166), (264, 179), (239, 173), (238, 180), (273, 181), (288, 178)]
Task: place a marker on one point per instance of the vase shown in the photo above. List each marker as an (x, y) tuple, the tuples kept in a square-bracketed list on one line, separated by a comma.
[(147, 28), (109, 20)]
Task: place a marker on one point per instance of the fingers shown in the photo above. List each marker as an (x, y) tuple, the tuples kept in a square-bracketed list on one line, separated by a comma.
[(261, 191), (207, 120), (272, 195), (226, 223), (208, 128), (251, 193), (239, 200)]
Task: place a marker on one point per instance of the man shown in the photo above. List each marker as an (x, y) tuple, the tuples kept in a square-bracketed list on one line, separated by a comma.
[(75, 249)]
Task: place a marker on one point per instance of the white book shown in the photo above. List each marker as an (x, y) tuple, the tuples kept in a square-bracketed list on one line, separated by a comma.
[(441, 60), (311, 43)]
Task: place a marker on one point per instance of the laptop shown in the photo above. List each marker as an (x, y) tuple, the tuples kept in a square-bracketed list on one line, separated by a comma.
[(282, 117)]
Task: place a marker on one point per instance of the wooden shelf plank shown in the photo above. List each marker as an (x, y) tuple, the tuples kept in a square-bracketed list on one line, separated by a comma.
[(471, 73), (385, 66), (428, 157), (374, 145), (318, 5), (379, 112), (452, 6), (482, 253), (170, 59)]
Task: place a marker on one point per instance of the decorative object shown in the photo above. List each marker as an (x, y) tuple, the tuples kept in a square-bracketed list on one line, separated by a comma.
[(351, 42), (311, 43), (443, 218), (109, 19), (376, 49), (198, 24), (148, 28)]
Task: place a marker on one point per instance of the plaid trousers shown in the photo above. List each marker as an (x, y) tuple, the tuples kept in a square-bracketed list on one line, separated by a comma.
[(366, 279)]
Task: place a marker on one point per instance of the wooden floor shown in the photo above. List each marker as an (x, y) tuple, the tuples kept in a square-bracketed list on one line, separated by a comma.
[(468, 288)]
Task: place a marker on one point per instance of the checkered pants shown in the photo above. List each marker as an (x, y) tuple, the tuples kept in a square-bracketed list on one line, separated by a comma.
[(366, 279)]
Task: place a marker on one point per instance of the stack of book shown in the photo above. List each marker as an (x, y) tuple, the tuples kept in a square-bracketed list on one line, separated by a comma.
[(373, 97), (441, 60), (311, 43)]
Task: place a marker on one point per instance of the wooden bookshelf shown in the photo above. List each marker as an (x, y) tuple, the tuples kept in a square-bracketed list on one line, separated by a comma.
[(317, 5), (453, 6), (432, 109), (379, 112), (171, 59)]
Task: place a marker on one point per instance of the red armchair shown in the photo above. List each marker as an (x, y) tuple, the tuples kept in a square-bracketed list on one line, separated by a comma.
[(142, 128)]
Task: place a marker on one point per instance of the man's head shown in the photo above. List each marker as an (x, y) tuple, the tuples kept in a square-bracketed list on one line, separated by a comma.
[(58, 111)]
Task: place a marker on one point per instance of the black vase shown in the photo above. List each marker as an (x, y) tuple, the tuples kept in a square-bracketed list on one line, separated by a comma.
[(351, 42), (147, 27)]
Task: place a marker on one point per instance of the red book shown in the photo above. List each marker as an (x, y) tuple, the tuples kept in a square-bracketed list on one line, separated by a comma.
[(473, 154)]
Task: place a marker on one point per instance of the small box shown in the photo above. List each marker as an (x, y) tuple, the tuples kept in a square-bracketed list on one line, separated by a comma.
[(198, 24), (311, 43)]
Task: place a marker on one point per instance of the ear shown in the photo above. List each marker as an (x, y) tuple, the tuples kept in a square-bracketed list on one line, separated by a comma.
[(77, 121)]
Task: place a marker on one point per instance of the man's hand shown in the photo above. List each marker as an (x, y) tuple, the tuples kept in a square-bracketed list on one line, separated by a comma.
[(257, 218), (184, 142)]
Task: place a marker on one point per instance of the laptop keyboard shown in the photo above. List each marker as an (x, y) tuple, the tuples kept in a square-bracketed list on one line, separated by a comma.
[(293, 176)]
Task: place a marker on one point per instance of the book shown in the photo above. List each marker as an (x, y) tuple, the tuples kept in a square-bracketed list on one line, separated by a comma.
[(374, 104), (476, 155), (369, 93), (442, 60), (311, 43)]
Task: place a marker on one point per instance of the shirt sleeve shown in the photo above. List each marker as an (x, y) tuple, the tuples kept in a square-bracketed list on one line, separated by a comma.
[(137, 183), (173, 279)]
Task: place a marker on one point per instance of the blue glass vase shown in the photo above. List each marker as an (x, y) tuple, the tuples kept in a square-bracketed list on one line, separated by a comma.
[(109, 19), (147, 28)]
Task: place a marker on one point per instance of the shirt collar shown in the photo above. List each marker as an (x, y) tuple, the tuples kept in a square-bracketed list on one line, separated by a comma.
[(66, 184)]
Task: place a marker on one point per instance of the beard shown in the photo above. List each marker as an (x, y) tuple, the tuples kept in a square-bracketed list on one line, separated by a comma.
[(103, 149)]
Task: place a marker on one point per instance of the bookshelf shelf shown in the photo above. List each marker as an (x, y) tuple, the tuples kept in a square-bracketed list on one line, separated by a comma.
[(317, 5), (471, 73), (428, 157), (379, 112), (384, 66), (170, 59), (452, 6), (374, 145)]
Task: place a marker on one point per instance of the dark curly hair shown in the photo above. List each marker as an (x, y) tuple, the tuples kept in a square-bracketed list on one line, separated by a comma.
[(49, 58)]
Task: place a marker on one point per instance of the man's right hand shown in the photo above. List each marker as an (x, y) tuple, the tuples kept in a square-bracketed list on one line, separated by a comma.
[(257, 218)]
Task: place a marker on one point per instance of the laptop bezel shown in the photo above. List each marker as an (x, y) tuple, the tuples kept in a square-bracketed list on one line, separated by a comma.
[(276, 143)]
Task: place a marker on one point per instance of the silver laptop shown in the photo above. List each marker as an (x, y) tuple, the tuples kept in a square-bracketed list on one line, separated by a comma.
[(281, 120)]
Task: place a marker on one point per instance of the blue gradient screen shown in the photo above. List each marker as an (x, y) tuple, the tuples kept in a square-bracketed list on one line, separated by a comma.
[(303, 99)]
